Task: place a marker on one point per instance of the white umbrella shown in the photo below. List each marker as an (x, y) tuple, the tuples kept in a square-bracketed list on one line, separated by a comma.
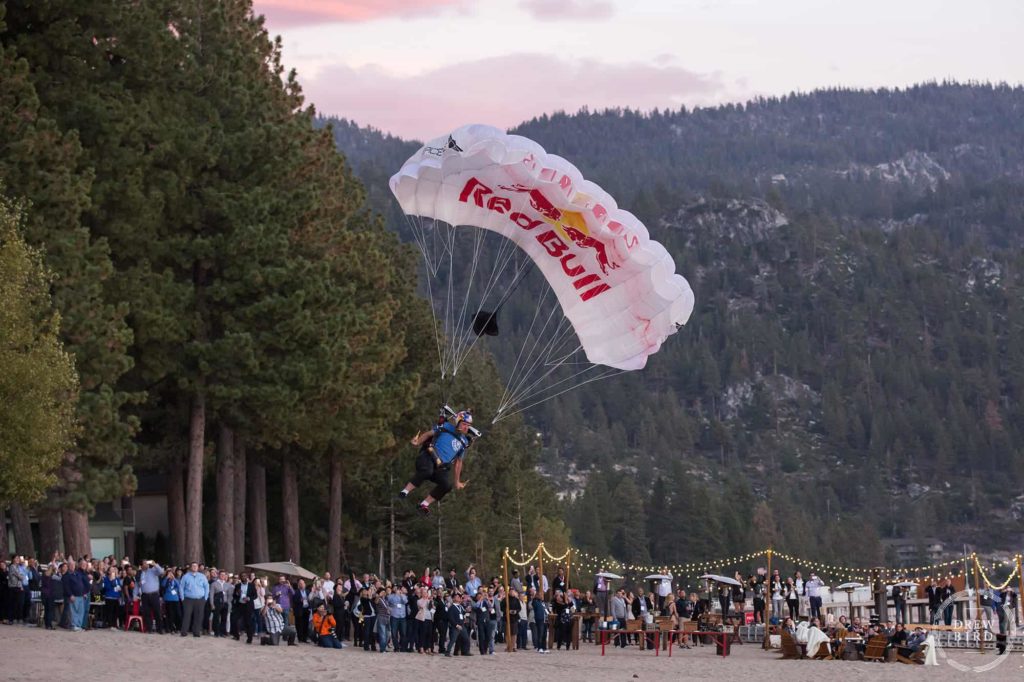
[(658, 576), (720, 579), (606, 574)]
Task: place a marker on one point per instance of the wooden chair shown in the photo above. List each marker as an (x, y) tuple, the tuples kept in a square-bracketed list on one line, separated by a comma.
[(916, 658), (875, 650), (823, 653), (840, 649), (790, 649), (734, 635), (664, 626), (689, 626), (633, 628)]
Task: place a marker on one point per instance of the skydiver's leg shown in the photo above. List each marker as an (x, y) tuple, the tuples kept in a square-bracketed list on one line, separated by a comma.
[(424, 472), (441, 488)]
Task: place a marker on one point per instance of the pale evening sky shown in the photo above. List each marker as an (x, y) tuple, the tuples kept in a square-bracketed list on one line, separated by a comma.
[(418, 68)]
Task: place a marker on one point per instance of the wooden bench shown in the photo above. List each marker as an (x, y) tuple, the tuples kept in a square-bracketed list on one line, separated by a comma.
[(605, 633), (721, 638)]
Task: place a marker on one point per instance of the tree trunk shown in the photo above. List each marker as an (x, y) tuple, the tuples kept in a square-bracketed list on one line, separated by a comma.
[(258, 512), (176, 511), (290, 507), (76, 532), (49, 533), (239, 511), (194, 487), (23, 542), (334, 519), (226, 499)]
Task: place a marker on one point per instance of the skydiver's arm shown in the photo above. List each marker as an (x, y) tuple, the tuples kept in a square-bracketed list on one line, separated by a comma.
[(421, 437), (459, 484)]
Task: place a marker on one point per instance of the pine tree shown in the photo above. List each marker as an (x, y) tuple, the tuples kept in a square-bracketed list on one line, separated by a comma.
[(38, 386), (43, 162)]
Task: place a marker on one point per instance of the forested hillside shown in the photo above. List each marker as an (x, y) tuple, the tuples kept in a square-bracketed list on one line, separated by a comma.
[(214, 308), (853, 369)]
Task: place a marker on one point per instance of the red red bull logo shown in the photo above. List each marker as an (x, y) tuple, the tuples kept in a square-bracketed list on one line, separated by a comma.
[(569, 223)]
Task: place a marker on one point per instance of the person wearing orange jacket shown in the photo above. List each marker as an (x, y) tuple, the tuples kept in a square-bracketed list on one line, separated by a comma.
[(324, 626)]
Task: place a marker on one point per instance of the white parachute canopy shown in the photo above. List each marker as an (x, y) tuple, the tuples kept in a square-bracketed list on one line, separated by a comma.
[(616, 287)]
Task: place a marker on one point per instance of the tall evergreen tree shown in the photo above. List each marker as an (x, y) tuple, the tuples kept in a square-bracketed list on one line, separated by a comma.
[(38, 386), (42, 161)]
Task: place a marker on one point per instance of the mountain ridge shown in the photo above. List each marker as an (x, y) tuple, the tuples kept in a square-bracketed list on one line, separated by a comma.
[(856, 257)]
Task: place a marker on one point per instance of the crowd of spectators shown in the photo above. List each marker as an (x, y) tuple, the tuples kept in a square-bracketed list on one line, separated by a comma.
[(429, 613)]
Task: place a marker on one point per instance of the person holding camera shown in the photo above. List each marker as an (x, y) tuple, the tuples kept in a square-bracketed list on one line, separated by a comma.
[(325, 628), (274, 625), (149, 583)]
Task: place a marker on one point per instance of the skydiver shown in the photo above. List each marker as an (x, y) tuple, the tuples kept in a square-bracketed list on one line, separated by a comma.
[(441, 448)]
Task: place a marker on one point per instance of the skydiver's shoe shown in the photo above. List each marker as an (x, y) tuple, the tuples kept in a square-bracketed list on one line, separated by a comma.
[(403, 494), (424, 510)]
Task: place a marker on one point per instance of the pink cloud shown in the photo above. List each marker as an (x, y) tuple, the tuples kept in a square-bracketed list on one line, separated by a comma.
[(290, 13), (502, 91), (577, 10)]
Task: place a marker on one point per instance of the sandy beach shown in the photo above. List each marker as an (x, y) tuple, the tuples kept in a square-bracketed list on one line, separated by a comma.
[(99, 654)]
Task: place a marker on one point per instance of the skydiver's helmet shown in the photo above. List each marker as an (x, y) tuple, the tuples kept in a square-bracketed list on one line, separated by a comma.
[(464, 416)]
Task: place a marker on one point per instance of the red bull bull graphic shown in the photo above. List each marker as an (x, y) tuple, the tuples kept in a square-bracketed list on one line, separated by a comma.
[(588, 284), (569, 223)]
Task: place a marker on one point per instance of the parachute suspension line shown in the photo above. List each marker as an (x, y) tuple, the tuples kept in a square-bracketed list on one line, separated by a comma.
[(525, 354), (414, 224), (543, 359), (516, 380), (458, 330), (463, 338), (449, 304), (506, 254), (609, 372)]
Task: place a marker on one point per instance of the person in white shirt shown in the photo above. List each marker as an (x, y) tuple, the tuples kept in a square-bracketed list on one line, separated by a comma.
[(664, 591), (814, 586), (327, 587)]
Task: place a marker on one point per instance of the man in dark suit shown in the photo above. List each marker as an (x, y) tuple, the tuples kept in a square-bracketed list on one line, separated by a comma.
[(932, 591), (300, 607), (242, 610), (458, 635), (452, 581), (899, 602), (945, 592), (559, 584)]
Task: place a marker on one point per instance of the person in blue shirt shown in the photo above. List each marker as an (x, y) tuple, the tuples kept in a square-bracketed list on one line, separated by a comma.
[(111, 598), (442, 448), (172, 600), (195, 589)]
